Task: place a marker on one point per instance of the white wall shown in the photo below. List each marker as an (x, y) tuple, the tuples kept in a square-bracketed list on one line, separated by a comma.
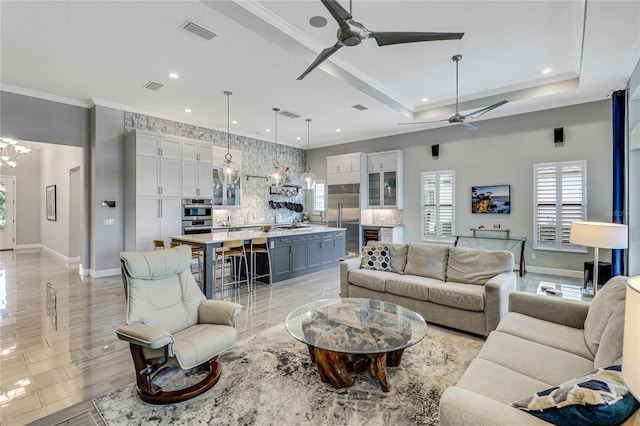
[(502, 151), (56, 162)]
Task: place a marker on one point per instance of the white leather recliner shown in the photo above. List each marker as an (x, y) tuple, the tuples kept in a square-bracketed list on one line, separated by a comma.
[(170, 323)]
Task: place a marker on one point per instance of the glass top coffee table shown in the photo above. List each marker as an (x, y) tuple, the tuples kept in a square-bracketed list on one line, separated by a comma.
[(345, 335)]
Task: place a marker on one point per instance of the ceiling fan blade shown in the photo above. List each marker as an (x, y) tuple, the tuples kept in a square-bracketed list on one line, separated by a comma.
[(321, 58), (387, 38), (485, 110), (466, 125), (338, 12), (424, 122)]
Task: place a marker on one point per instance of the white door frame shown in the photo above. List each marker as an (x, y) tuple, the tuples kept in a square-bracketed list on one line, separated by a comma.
[(12, 181)]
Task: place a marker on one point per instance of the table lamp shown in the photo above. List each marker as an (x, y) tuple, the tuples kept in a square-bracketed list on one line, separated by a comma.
[(599, 235), (631, 345)]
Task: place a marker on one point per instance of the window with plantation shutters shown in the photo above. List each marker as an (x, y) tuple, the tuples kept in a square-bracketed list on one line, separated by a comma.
[(438, 200), (560, 197), (318, 197)]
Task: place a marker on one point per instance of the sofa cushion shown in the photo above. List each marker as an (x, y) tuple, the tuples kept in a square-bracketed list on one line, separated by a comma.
[(427, 260), (602, 307), (540, 362), (410, 286), (546, 333), (398, 254), (462, 296), (376, 258), (599, 397), (474, 266), (610, 347), (373, 280), (497, 382)]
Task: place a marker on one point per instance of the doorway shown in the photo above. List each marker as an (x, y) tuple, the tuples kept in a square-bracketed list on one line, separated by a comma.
[(7, 212), (75, 214)]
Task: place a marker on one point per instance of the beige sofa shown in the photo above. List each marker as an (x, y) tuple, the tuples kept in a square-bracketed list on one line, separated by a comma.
[(457, 287), (541, 342)]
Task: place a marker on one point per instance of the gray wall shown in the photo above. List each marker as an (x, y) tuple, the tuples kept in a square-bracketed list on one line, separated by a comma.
[(634, 173), (502, 151)]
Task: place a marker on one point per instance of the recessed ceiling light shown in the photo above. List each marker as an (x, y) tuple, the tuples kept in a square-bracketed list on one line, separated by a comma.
[(298, 138), (425, 99), (546, 71), (234, 121), (338, 130), (173, 75), (187, 110), (267, 130), (318, 21)]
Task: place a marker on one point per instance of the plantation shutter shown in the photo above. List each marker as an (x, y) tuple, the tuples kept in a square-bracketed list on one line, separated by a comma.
[(318, 197), (438, 196), (560, 198)]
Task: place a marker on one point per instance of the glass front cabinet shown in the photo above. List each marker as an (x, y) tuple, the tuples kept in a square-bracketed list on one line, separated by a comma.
[(384, 170), (226, 196)]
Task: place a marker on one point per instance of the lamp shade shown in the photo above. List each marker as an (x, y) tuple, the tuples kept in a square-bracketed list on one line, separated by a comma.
[(631, 345), (599, 234)]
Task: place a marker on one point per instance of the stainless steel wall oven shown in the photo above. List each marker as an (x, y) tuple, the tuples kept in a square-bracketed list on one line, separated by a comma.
[(196, 216)]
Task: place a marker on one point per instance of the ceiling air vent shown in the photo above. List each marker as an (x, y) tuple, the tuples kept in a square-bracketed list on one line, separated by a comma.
[(198, 30), (290, 114), (153, 85), (360, 107)]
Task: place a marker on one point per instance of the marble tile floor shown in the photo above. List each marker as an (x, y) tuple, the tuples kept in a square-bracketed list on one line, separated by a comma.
[(58, 348)]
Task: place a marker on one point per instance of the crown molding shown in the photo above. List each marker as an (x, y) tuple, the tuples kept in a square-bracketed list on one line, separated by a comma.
[(46, 96)]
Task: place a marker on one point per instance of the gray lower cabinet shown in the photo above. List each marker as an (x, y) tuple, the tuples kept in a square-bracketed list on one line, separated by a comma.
[(296, 255)]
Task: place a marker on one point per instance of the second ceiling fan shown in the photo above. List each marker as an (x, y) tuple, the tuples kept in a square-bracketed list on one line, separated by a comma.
[(457, 118), (352, 33)]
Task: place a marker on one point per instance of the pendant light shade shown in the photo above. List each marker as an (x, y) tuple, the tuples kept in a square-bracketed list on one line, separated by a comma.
[(229, 172), (308, 178), (277, 177)]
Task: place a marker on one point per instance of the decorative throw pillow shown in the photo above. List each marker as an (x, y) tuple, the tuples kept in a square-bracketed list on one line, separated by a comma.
[(376, 258), (599, 397)]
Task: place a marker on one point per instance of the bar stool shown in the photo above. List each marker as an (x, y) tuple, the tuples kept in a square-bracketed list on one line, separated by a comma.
[(259, 246), (235, 252), (158, 244)]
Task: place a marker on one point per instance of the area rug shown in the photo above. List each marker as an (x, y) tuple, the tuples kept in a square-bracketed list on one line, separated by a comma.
[(268, 379)]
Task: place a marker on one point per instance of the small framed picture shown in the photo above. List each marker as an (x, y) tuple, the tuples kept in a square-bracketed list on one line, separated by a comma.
[(51, 202)]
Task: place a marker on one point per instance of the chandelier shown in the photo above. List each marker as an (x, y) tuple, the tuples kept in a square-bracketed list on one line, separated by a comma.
[(10, 151)]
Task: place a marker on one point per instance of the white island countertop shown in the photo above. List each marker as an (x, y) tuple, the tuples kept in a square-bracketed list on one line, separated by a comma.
[(221, 237)]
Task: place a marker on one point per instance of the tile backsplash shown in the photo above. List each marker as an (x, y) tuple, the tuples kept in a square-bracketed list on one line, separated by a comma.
[(257, 159), (387, 216)]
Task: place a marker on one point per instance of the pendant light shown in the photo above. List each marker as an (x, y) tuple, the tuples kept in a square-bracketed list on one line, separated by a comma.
[(229, 172), (277, 177), (308, 178)]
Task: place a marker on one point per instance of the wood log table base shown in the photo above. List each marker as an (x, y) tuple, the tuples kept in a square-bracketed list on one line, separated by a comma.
[(335, 367)]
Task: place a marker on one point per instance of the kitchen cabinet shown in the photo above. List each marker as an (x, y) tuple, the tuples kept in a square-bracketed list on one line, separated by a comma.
[(290, 255), (226, 196), (152, 189), (384, 179), (197, 164), (346, 168), (297, 255), (391, 235)]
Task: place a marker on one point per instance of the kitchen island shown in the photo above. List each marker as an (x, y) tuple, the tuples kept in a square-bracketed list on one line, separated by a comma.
[(294, 252)]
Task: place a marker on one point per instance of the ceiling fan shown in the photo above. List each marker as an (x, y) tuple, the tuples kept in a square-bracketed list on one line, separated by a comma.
[(457, 118), (352, 33)]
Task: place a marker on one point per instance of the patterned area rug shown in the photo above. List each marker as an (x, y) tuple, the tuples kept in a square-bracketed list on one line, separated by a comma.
[(269, 380)]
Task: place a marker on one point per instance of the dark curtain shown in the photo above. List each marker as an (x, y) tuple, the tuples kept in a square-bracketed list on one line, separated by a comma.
[(619, 99)]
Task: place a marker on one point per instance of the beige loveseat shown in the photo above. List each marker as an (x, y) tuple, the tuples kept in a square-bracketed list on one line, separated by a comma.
[(541, 342), (457, 287)]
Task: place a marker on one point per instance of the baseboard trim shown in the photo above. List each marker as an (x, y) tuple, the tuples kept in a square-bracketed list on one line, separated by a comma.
[(28, 248), (104, 273), (554, 271), (68, 261)]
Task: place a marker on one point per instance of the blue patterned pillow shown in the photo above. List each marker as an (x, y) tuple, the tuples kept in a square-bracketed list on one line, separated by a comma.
[(376, 258), (599, 397)]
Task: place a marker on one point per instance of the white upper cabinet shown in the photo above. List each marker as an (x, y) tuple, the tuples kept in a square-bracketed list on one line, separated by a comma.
[(342, 169), (384, 179), (197, 160)]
